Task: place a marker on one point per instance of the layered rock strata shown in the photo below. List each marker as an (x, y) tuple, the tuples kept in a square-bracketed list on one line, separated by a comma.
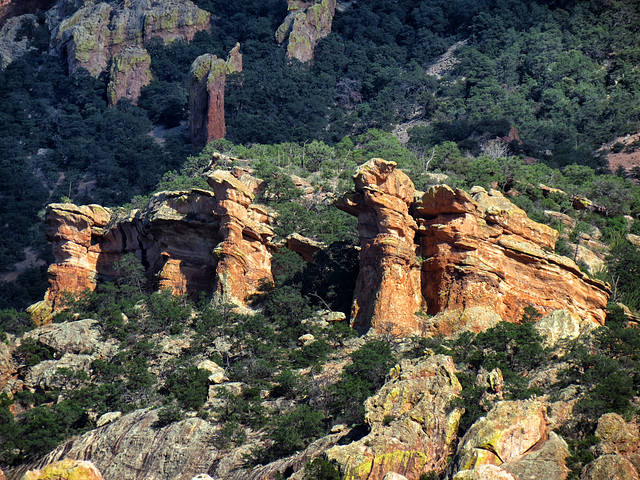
[(483, 252), (482, 260), (188, 241), (97, 31), (387, 292), (305, 25), (206, 95), (413, 424)]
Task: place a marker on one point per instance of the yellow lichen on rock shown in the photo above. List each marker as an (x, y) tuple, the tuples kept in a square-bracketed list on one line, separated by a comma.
[(65, 470)]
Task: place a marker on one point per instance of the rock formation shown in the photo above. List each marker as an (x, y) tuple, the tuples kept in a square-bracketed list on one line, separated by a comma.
[(13, 8), (412, 423), (206, 95), (305, 25), (12, 47), (482, 259), (130, 71), (188, 241), (97, 31), (244, 261), (483, 252), (65, 470), (133, 448), (387, 293), (513, 439)]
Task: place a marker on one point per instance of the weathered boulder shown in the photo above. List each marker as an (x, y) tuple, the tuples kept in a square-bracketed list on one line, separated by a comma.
[(609, 467), (616, 435), (305, 25), (7, 367), (97, 31), (78, 337), (133, 448), (387, 292), (482, 251), (130, 71), (413, 424), (484, 472), (191, 242), (546, 463), (560, 326), (65, 470), (510, 429), (217, 373), (11, 46), (206, 95)]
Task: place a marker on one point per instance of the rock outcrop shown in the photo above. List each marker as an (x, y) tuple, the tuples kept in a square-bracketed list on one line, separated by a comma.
[(130, 71), (387, 293), (483, 251), (412, 423), (97, 31), (515, 437), (11, 46), (305, 25), (206, 95), (132, 447), (188, 241), (482, 260), (65, 470)]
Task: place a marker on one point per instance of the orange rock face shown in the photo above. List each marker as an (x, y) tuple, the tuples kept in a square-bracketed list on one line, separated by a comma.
[(188, 241), (483, 251), (387, 293), (73, 231), (483, 259), (244, 260)]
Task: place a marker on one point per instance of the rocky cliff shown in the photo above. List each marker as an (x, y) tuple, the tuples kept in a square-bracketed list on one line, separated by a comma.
[(130, 71), (97, 31), (188, 241), (305, 25), (206, 95), (14, 8), (468, 260)]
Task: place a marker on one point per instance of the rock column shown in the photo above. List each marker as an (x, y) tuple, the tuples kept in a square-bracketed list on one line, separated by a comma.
[(206, 95), (244, 260), (387, 293)]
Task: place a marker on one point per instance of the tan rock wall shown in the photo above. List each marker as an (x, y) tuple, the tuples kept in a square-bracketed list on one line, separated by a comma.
[(482, 260), (188, 241)]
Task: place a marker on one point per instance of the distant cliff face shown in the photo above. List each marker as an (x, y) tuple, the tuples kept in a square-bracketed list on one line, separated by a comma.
[(13, 8), (188, 241), (305, 26), (97, 31), (481, 259)]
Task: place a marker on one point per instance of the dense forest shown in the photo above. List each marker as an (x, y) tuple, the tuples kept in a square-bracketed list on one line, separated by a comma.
[(562, 72)]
